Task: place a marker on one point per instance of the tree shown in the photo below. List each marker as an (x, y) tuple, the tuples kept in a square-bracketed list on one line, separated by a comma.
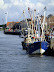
[(49, 15)]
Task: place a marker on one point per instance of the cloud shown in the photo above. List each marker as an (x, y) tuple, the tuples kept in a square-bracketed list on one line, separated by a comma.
[(51, 3), (4, 5), (16, 7), (39, 5), (14, 2), (1, 3)]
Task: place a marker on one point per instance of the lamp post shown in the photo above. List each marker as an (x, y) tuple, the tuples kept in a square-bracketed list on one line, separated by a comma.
[(6, 16), (2, 21)]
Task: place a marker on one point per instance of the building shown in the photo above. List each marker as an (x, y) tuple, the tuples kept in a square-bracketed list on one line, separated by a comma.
[(11, 24), (18, 25), (23, 24), (50, 22)]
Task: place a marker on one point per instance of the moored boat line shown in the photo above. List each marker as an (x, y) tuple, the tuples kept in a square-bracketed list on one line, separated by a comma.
[(37, 42)]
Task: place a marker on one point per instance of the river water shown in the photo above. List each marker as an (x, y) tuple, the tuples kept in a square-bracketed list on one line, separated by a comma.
[(14, 59)]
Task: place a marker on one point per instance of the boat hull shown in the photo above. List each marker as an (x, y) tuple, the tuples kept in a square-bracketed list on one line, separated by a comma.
[(24, 45), (37, 47)]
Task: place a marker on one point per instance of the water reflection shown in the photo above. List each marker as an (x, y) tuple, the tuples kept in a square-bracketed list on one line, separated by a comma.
[(14, 59)]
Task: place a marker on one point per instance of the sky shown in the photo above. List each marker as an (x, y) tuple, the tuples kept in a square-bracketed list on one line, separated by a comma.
[(13, 9)]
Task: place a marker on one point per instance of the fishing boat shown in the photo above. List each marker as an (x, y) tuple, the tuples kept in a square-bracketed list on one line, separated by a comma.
[(38, 43)]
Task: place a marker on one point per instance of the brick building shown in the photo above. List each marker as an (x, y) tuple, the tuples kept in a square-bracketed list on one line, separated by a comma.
[(50, 22), (11, 24), (23, 24)]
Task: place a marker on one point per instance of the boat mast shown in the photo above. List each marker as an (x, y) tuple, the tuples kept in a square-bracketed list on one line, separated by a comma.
[(34, 21), (25, 18), (31, 19), (27, 24), (43, 24), (38, 25)]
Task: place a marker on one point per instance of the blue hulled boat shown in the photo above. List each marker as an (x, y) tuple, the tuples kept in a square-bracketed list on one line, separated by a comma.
[(37, 44), (37, 47)]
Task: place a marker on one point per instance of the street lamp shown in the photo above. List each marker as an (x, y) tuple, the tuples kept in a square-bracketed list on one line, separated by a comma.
[(2, 21), (6, 16)]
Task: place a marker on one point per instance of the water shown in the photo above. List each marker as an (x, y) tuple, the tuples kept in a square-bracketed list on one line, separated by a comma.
[(14, 59)]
